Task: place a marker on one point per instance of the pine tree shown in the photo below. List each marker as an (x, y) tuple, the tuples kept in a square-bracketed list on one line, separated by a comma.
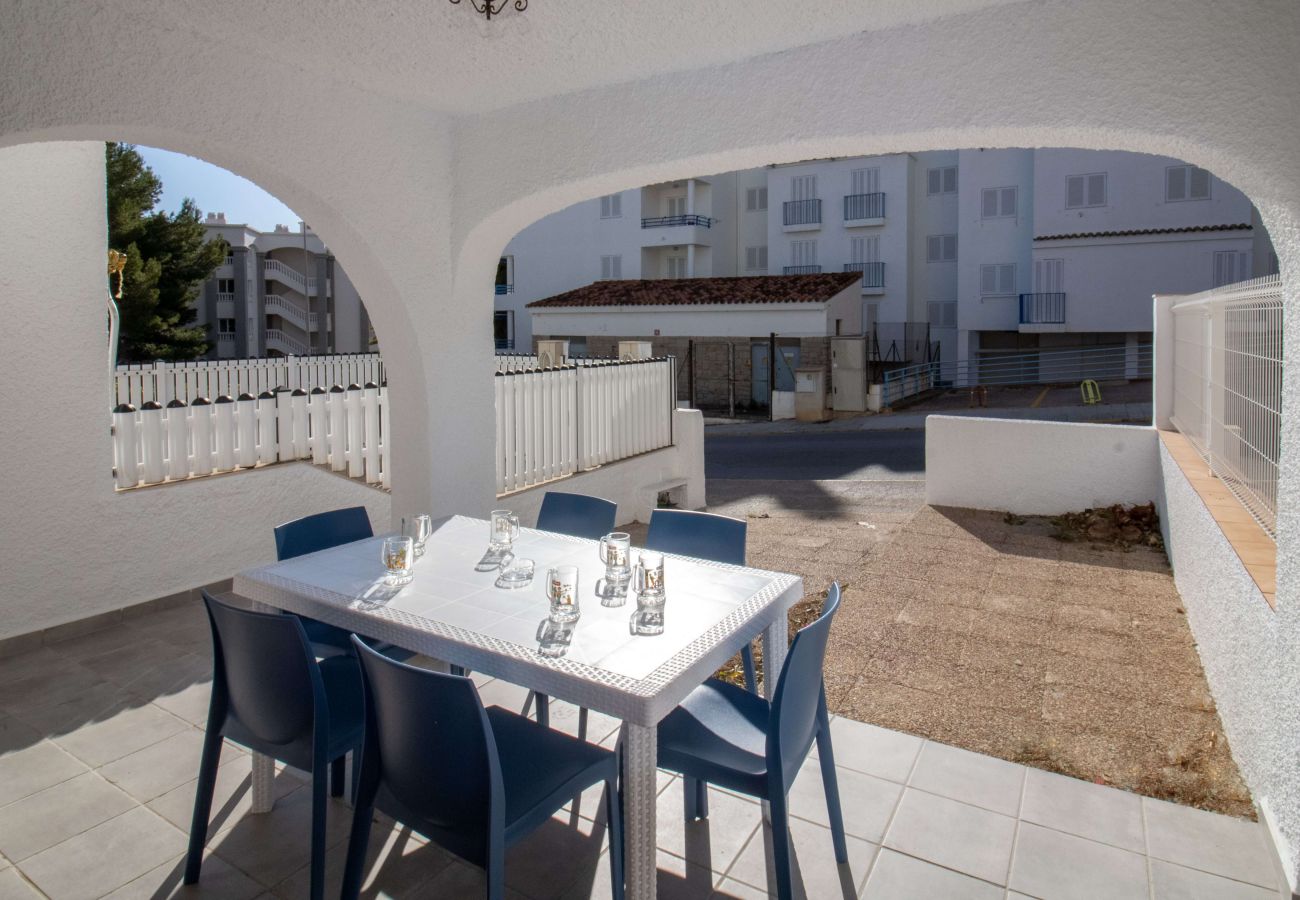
[(168, 260)]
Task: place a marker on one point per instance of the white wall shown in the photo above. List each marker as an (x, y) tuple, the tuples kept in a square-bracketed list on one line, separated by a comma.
[(993, 241), (71, 546), (1037, 468), (684, 321)]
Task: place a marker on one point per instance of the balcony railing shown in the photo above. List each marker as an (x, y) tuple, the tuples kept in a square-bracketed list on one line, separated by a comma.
[(505, 289), (873, 273), (289, 275), (801, 270), (864, 206), (670, 221), (802, 212), (1042, 309)]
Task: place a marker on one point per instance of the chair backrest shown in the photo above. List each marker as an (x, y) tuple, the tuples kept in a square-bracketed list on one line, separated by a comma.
[(263, 666), (577, 515), (436, 757), (322, 531), (699, 534), (798, 695)]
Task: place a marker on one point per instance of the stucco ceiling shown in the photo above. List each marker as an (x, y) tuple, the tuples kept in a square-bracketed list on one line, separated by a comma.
[(448, 58)]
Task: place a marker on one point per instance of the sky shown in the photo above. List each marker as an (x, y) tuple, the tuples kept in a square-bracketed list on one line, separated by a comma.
[(215, 190)]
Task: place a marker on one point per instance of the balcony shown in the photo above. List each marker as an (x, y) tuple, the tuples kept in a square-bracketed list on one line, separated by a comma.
[(287, 309), (285, 343), (864, 209), (278, 271), (1042, 312), (671, 221), (873, 275), (801, 270), (801, 215), (502, 289)]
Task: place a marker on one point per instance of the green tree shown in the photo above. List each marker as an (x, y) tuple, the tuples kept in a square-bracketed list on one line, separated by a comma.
[(167, 262)]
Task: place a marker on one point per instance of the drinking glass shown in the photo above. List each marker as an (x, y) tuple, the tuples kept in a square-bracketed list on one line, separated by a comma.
[(648, 578), (418, 529), (399, 560), (518, 574), (562, 591), (615, 553), (504, 529)]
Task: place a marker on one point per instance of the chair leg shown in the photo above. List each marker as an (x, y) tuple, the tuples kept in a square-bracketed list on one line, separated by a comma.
[(338, 775), (831, 786), (358, 842), (781, 846), (203, 804), (582, 723), (751, 674), (695, 798), (543, 706), (496, 875), (319, 804), (614, 813)]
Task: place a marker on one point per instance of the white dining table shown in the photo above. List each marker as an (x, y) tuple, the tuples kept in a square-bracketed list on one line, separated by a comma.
[(454, 613)]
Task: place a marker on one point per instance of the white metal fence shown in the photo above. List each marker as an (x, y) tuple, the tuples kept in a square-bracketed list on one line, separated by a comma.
[(342, 429), (163, 382), (553, 422), (1227, 386)]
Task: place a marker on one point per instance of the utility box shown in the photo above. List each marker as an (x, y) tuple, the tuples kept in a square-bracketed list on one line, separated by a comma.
[(552, 353), (635, 350), (810, 395), (849, 374)]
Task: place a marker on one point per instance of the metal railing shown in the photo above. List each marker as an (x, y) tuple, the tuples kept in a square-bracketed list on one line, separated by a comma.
[(873, 273), (801, 270), (1066, 366), (1227, 387), (864, 206), (1042, 309), (670, 221), (802, 212), (505, 289)]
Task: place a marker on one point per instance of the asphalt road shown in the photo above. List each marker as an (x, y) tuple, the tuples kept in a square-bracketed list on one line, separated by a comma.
[(852, 456)]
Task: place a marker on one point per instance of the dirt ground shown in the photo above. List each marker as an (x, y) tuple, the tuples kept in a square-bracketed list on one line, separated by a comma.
[(988, 632)]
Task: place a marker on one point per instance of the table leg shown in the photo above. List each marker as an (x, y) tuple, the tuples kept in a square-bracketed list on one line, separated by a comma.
[(776, 639), (640, 746)]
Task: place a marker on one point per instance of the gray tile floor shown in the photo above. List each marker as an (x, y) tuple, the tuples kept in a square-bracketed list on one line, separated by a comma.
[(99, 743)]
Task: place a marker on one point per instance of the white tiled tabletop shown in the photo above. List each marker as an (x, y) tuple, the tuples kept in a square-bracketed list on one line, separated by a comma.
[(452, 612)]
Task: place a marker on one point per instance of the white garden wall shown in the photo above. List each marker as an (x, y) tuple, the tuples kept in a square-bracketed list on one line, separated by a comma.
[(72, 546), (1037, 468)]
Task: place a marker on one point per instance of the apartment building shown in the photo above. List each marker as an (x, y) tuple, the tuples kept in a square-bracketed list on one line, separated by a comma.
[(999, 251), (279, 293)]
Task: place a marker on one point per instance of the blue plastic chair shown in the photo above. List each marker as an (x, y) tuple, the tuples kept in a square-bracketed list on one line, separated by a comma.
[(581, 516), (472, 780), (727, 736), (271, 695), (703, 536), (320, 532), (577, 515)]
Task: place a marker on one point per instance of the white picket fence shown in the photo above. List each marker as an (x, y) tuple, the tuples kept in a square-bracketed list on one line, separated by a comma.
[(163, 382), (341, 429), (554, 422)]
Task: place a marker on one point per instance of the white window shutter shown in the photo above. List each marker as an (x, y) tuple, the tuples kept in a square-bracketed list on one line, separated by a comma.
[(934, 183), (604, 207), (871, 250), (949, 247), (1097, 190), (762, 198), (1007, 279), (618, 267), (1074, 187), (1198, 184), (856, 249), (989, 203), (616, 204), (950, 180), (1176, 183), (933, 248), (988, 279), (1008, 201)]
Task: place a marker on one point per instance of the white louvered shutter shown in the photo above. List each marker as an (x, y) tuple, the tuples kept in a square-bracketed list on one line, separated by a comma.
[(1097, 190), (950, 180), (1198, 183), (989, 203), (934, 181), (1074, 191), (949, 247)]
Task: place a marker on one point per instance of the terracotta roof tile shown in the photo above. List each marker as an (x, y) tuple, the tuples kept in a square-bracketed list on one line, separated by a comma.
[(701, 291), (1240, 226)]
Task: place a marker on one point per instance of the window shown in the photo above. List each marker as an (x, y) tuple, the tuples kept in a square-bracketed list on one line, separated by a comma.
[(505, 273), (803, 187), (1085, 190), (677, 267), (676, 206), (942, 180), (756, 199), (503, 329), (611, 268), (1231, 266), (803, 253), (998, 279), (864, 249), (1049, 276), (865, 181), (997, 203), (941, 248), (1186, 183), (225, 285), (611, 206), (226, 326), (756, 259), (942, 313)]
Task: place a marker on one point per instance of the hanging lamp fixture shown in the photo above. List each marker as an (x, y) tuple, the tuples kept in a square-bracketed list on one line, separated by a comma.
[(490, 8)]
